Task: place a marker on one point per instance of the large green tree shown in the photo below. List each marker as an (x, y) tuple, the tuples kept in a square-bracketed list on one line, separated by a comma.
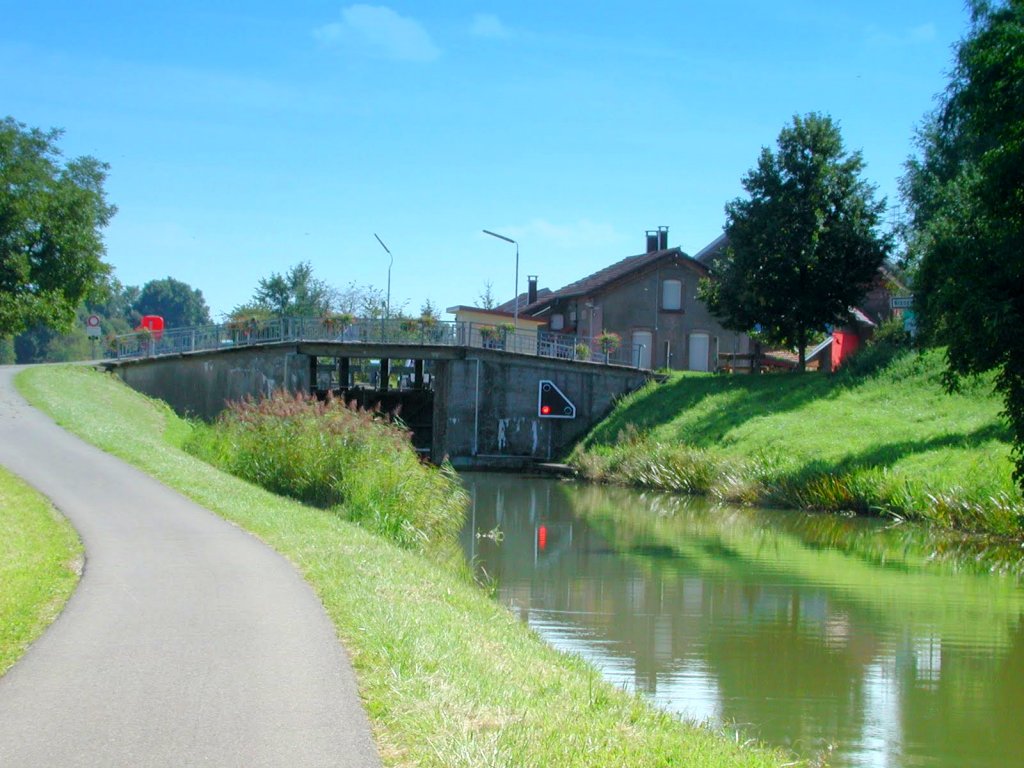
[(804, 244), (296, 293), (51, 214), (966, 194), (178, 303)]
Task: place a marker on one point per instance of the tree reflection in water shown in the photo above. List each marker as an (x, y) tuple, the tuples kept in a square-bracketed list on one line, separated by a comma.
[(897, 644)]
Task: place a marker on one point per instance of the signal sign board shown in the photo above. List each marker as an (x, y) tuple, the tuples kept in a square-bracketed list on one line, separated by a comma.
[(901, 302), (552, 402)]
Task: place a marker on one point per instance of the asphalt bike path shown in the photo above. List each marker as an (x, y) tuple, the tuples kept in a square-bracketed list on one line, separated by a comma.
[(187, 642)]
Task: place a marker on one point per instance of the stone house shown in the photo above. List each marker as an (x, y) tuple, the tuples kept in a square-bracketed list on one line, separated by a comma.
[(649, 300)]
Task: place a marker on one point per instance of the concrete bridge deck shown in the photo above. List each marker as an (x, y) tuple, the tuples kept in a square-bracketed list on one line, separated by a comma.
[(391, 333), (482, 402)]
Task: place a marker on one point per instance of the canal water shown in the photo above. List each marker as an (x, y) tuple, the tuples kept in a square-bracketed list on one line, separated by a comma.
[(876, 645)]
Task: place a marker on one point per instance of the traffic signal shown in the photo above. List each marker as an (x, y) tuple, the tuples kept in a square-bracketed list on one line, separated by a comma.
[(552, 402)]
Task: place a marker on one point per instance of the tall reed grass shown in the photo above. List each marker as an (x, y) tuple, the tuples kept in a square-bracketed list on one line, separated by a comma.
[(772, 481), (332, 455)]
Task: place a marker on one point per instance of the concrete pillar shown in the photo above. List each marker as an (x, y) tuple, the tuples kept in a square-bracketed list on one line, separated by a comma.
[(385, 374), (312, 374), (418, 374), (344, 374)]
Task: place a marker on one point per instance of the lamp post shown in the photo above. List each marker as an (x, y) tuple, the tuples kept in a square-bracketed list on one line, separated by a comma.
[(387, 306), (510, 240)]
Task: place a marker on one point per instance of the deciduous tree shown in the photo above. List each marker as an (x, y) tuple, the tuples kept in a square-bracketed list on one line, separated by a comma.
[(966, 195), (178, 303), (804, 244), (111, 302), (296, 293), (51, 214)]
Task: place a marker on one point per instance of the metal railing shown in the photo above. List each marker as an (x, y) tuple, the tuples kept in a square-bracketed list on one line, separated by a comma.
[(178, 341)]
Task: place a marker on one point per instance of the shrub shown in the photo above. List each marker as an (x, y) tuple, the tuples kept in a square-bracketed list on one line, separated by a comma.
[(334, 456)]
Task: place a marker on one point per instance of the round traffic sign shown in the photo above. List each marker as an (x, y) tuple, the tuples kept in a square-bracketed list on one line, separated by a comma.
[(93, 321)]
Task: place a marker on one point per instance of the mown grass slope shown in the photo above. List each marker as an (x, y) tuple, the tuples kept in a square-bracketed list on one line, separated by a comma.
[(448, 677), (884, 437), (40, 562)]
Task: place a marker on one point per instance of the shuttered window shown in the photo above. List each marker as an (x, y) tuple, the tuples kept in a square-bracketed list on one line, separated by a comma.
[(672, 295)]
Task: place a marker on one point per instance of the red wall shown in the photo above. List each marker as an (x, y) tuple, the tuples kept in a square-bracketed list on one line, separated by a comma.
[(844, 344)]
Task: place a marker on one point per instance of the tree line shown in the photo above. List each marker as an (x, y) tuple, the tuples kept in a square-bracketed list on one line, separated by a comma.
[(297, 292)]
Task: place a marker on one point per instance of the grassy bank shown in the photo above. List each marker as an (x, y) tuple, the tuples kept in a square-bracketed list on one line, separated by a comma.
[(448, 677), (883, 437), (341, 458), (40, 562)]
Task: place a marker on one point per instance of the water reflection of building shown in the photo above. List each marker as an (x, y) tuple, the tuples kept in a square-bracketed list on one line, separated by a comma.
[(740, 630)]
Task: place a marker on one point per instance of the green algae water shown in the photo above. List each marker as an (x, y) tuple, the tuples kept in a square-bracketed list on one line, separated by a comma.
[(858, 641)]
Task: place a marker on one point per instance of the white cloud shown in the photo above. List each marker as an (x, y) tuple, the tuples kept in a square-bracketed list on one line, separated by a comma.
[(382, 31), (488, 25)]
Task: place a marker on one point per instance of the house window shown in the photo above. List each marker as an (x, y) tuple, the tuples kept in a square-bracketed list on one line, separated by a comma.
[(557, 322), (672, 295)]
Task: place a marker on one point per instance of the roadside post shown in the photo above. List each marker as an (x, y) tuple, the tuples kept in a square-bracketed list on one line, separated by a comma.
[(92, 331)]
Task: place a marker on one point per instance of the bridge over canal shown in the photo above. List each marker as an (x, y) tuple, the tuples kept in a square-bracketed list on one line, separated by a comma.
[(467, 391)]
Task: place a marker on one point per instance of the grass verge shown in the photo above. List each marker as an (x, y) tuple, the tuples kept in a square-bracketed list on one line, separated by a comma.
[(40, 562), (883, 437), (448, 677)]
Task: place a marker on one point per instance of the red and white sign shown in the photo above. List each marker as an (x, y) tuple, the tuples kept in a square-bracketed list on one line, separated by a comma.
[(92, 325)]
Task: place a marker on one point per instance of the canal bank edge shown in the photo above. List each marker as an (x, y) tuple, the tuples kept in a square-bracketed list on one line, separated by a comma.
[(885, 438), (448, 677)]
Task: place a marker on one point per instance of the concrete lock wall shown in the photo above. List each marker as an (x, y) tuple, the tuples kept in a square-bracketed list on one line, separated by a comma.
[(485, 402), (200, 384), (486, 412)]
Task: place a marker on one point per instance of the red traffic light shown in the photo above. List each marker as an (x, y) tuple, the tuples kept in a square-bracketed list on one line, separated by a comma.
[(545, 410)]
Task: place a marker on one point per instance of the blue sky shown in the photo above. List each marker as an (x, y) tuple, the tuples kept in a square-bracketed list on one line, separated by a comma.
[(244, 137)]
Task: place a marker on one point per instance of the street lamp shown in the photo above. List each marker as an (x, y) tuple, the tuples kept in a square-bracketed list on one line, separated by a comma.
[(510, 240), (387, 306)]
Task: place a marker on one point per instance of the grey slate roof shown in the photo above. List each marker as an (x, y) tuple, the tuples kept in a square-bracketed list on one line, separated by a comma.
[(510, 305), (604, 277)]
